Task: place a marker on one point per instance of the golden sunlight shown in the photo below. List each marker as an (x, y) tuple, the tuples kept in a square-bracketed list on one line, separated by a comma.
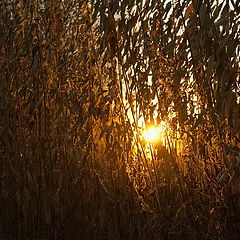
[(151, 134), (155, 133)]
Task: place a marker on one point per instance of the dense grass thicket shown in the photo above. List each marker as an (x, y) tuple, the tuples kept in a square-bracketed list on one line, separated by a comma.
[(79, 82)]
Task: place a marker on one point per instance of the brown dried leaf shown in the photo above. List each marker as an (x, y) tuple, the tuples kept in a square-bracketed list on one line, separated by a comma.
[(189, 11)]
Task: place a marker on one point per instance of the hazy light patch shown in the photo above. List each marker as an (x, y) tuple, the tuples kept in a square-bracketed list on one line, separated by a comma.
[(155, 133), (151, 134)]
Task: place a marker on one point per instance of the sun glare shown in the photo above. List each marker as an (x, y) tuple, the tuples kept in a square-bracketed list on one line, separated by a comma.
[(151, 134), (154, 133)]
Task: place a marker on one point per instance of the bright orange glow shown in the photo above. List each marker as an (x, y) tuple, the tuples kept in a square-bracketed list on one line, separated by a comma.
[(155, 133), (151, 134)]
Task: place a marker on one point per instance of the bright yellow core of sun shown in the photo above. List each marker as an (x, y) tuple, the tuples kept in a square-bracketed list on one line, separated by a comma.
[(151, 134)]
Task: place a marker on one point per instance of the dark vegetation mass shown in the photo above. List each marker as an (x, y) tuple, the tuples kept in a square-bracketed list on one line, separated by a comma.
[(76, 77)]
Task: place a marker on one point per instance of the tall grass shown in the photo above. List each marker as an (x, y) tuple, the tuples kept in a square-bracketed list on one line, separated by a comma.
[(77, 78)]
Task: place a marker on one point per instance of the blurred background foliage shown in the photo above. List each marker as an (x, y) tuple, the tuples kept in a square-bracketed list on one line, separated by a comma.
[(77, 78)]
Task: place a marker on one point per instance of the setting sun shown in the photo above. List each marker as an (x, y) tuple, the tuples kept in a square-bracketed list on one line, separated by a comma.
[(155, 133), (151, 134)]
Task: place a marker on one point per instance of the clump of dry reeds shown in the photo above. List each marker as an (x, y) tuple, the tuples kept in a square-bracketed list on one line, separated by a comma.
[(77, 78)]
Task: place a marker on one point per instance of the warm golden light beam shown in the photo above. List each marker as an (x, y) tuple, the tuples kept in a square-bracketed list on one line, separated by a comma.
[(151, 134), (155, 133)]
